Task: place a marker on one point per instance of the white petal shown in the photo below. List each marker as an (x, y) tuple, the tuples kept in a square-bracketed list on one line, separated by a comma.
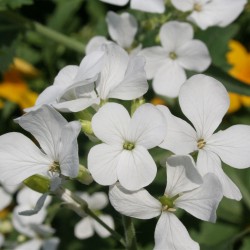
[(139, 204), (1, 240), (34, 244), (20, 159), (182, 175), (181, 5), (66, 75), (147, 127), (204, 200), (95, 44), (101, 231), (156, 57), (122, 28), (68, 151), (180, 137), (134, 84), (209, 162), (113, 71), (173, 34), (194, 55), (136, 168), (98, 201), (84, 228), (5, 199), (168, 79), (116, 2), (45, 124), (170, 234), (154, 6), (102, 163), (232, 145), (51, 243), (204, 101), (110, 124)]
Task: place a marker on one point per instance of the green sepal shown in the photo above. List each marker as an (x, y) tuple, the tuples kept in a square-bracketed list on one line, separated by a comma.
[(38, 183), (84, 175)]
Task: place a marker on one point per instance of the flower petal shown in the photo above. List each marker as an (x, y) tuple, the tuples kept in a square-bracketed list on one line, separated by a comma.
[(101, 231), (20, 159), (203, 201), (168, 79), (232, 145), (180, 137), (209, 162), (172, 235), (5, 199), (147, 127), (183, 5), (116, 2), (110, 124), (122, 28), (34, 244), (139, 204), (102, 163), (182, 175), (194, 55), (98, 201), (95, 44), (154, 6), (2, 239), (173, 34), (51, 243), (204, 101), (84, 228)]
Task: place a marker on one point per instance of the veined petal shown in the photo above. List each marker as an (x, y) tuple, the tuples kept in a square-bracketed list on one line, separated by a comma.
[(95, 44), (204, 101), (139, 204), (194, 55), (34, 244), (5, 199), (182, 175), (156, 57), (171, 234), (65, 76), (180, 137), (45, 124), (168, 79), (102, 163), (154, 6), (122, 28), (68, 149), (232, 145), (209, 162), (116, 2), (136, 168), (147, 127), (203, 201), (134, 84), (110, 124), (20, 159), (101, 231), (173, 34), (84, 228), (98, 201), (181, 5)]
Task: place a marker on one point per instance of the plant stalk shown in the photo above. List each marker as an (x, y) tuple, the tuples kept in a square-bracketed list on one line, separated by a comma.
[(129, 230)]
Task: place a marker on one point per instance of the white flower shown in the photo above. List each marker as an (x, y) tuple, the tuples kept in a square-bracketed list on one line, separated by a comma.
[(123, 156), (186, 190), (37, 243), (179, 51), (21, 158), (206, 13), (5, 199), (86, 227), (205, 101), (154, 6)]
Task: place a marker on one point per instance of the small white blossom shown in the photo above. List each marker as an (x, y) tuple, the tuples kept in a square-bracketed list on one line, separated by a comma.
[(5, 199), (205, 101), (123, 155), (179, 51), (185, 189)]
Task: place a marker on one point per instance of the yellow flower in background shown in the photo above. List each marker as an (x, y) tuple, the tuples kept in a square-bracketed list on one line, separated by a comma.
[(14, 88), (239, 58)]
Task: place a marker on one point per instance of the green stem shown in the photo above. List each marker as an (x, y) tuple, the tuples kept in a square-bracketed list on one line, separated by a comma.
[(129, 231), (80, 206)]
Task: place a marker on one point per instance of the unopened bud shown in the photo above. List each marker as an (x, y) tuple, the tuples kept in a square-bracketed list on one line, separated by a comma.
[(38, 183), (84, 175)]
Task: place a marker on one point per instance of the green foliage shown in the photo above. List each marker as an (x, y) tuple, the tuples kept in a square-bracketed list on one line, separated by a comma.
[(14, 4)]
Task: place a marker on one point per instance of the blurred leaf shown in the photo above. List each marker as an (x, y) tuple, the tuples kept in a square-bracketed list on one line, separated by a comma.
[(246, 244), (217, 39), (231, 84), (6, 56), (13, 4)]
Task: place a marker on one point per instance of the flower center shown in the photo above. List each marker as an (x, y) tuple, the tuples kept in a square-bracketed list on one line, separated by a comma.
[(201, 143), (55, 167), (168, 203), (197, 7), (128, 145), (172, 55)]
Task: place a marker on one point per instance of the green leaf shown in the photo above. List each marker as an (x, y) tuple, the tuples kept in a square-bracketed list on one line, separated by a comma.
[(6, 56), (14, 4), (246, 244)]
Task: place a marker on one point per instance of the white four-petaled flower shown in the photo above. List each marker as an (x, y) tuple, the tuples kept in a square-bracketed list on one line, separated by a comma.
[(186, 190), (124, 155)]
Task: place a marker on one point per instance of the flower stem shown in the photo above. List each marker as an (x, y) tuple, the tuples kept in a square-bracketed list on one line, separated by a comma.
[(80, 206), (129, 231)]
